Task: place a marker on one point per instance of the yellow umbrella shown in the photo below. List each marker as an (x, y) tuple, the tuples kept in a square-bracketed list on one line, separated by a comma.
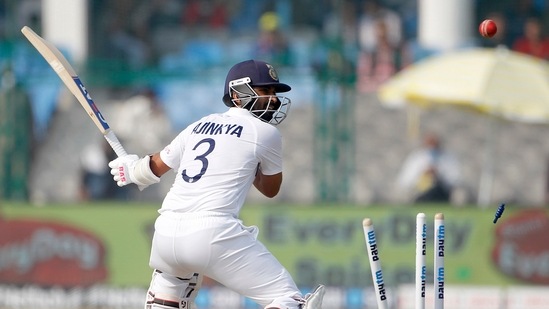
[(494, 81)]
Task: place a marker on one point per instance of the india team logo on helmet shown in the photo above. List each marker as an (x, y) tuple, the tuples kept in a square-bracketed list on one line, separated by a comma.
[(272, 72)]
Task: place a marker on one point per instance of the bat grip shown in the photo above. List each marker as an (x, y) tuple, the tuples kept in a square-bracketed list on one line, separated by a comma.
[(115, 143)]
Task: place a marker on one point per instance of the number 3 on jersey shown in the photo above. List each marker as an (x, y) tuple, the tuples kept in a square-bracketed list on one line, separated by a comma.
[(202, 159)]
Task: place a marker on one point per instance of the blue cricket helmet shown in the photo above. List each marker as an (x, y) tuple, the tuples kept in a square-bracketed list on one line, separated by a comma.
[(260, 74)]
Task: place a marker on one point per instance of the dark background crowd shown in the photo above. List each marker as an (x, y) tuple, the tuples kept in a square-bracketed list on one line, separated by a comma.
[(135, 45)]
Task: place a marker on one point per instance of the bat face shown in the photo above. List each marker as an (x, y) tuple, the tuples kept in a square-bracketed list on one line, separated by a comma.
[(91, 104), (64, 70)]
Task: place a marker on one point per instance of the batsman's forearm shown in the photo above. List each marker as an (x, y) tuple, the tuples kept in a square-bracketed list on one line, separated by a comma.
[(269, 185), (158, 167)]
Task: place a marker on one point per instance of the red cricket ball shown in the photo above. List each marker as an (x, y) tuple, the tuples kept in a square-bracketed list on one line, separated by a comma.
[(487, 28)]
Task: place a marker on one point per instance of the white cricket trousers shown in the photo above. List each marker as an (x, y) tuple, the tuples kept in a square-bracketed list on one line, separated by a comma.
[(220, 247)]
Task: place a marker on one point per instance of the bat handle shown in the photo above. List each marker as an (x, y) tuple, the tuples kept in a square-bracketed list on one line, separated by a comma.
[(115, 143)]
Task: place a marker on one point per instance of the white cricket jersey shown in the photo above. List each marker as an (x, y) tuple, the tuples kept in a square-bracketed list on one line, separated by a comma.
[(216, 159)]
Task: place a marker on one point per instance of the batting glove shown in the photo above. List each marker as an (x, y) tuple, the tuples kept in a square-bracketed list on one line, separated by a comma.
[(131, 169)]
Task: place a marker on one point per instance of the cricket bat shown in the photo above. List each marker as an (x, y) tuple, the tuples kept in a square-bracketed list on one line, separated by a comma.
[(64, 70)]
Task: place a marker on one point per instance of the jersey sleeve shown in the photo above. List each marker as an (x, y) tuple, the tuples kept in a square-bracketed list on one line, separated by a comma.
[(171, 154), (269, 151)]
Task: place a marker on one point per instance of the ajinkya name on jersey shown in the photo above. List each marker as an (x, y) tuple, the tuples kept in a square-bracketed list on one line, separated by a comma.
[(212, 128)]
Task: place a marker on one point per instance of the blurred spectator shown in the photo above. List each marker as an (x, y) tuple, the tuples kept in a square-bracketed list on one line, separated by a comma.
[(334, 55), (533, 41), (408, 11), (38, 80), (96, 180), (142, 123), (162, 13), (28, 12), (517, 14), (368, 25), (125, 45), (143, 126), (16, 138), (211, 13), (244, 14), (341, 21), (158, 24), (272, 45), (376, 66), (430, 173), (218, 15)]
